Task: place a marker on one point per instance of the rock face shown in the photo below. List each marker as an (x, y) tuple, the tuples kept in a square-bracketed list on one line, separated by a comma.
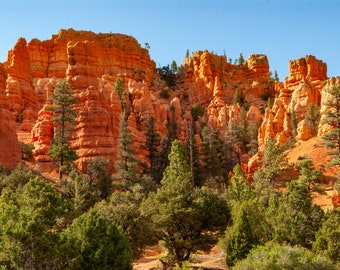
[(92, 62), (10, 152), (303, 87)]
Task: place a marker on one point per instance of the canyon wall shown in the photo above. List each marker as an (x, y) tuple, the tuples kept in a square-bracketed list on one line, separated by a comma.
[(92, 62)]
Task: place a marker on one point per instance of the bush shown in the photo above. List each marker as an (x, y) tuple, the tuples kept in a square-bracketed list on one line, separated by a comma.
[(164, 94), (196, 111), (26, 150), (274, 256)]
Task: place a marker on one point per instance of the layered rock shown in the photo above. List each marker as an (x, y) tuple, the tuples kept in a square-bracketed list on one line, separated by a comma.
[(302, 88), (10, 152)]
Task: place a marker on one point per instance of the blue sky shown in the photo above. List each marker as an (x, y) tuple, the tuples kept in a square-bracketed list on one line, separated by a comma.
[(283, 30)]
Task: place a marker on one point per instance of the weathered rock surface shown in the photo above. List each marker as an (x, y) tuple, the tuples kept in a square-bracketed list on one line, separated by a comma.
[(302, 88), (10, 152), (92, 62)]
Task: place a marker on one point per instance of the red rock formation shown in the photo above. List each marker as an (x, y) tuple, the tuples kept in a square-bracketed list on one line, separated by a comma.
[(10, 152), (92, 62), (300, 89)]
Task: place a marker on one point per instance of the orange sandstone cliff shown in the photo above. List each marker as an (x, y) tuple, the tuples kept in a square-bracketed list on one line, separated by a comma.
[(92, 62)]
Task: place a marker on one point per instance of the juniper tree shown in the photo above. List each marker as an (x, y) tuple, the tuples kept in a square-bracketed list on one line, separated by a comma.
[(64, 116), (332, 118)]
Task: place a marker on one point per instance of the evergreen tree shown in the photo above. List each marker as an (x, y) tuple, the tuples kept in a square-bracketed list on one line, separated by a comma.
[(313, 117), (308, 175), (100, 177), (240, 59), (296, 218), (332, 118), (152, 144), (78, 194), (240, 239), (215, 158), (91, 242), (273, 163), (127, 165), (64, 118), (239, 188), (276, 76), (185, 218), (120, 90), (124, 210), (194, 159), (29, 226), (174, 67), (328, 237)]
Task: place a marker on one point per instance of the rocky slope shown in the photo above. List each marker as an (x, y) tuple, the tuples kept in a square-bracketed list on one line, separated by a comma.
[(91, 64)]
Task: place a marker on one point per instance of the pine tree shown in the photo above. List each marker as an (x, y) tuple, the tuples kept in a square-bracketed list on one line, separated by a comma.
[(239, 188), (127, 165), (152, 144), (240, 59), (64, 118), (240, 239), (328, 237), (120, 90), (296, 218), (332, 118), (308, 175)]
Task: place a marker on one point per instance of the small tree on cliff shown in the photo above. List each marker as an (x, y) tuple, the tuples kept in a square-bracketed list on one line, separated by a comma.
[(64, 120), (332, 118)]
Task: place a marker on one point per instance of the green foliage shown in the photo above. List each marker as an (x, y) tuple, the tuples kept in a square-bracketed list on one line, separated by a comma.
[(64, 119), (127, 165), (294, 124), (276, 257), (328, 237), (216, 158), (120, 90), (313, 117), (239, 188), (240, 59), (92, 242), (240, 239), (185, 218), (78, 194), (124, 210), (17, 179), (273, 163), (239, 97), (296, 218), (26, 151), (100, 177), (332, 118), (164, 94), (168, 75), (196, 111), (308, 175), (30, 226), (174, 67), (153, 141), (276, 76)]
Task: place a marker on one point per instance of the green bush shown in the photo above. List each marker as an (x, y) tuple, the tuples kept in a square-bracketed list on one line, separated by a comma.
[(164, 94), (26, 150), (277, 257), (196, 111)]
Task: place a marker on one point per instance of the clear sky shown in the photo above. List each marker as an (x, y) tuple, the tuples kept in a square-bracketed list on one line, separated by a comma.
[(283, 30)]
